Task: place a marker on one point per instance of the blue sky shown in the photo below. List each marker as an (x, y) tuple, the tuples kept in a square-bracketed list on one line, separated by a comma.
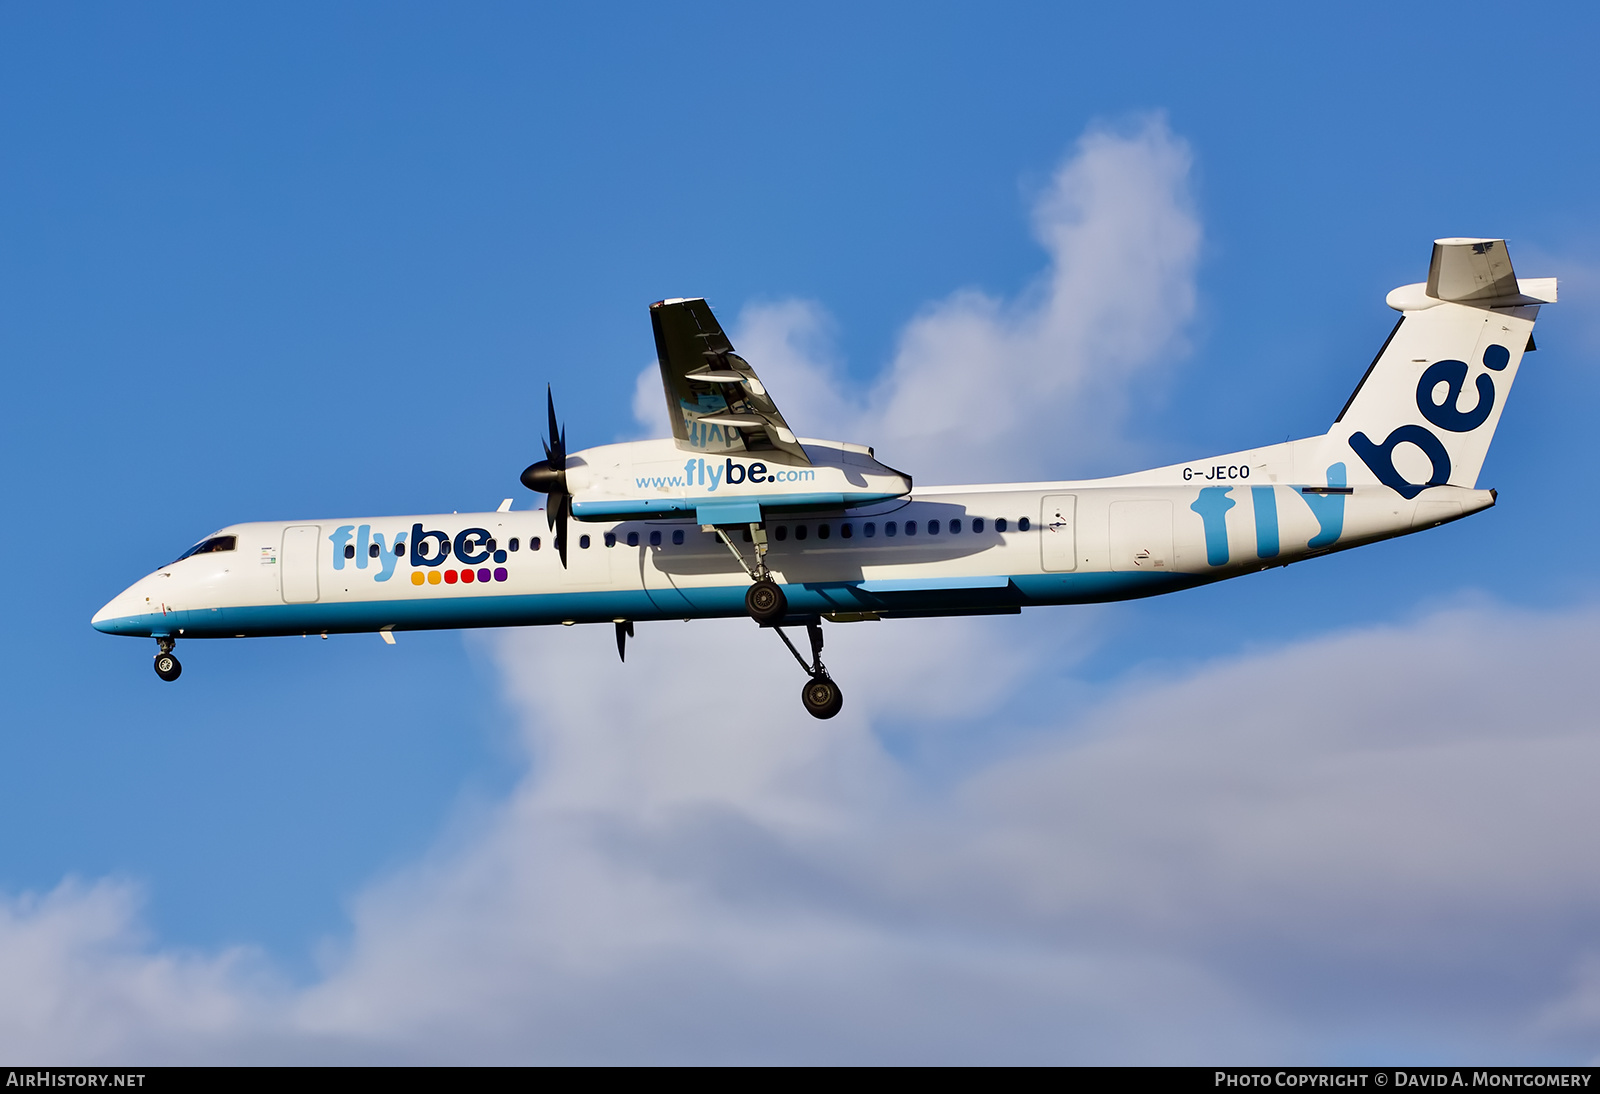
[(263, 265)]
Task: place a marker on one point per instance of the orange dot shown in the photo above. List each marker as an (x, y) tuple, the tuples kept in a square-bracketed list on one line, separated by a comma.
[(417, 578), (433, 577)]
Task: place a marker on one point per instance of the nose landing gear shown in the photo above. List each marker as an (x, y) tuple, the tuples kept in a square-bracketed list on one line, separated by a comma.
[(168, 667)]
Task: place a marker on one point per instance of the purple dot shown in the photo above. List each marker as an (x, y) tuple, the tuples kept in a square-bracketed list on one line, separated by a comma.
[(483, 575), (499, 573)]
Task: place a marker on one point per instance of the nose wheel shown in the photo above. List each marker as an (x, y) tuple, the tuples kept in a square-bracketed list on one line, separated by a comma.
[(168, 667), (820, 696)]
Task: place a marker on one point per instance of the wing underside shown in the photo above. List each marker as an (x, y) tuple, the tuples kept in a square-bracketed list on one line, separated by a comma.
[(715, 401)]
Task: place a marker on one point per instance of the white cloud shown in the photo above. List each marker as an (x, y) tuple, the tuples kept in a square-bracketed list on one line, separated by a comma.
[(1377, 837), (983, 388)]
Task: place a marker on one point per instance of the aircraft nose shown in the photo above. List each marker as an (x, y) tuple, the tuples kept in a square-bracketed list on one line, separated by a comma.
[(117, 617)]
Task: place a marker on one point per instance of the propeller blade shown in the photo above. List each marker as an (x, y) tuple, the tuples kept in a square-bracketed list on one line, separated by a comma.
[(562, 512), (624, 632), (557, 444), (549, 477)]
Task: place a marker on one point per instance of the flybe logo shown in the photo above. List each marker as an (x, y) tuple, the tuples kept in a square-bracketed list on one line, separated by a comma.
[(427, 551), (697, 473), (1451, 376)]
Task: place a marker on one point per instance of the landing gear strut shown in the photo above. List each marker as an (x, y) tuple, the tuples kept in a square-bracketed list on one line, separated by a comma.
[(821, 696), (764, 600), (767, 605), (167, 666)]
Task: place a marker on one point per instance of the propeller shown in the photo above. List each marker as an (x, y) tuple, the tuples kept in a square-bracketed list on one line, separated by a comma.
[(549, 476)]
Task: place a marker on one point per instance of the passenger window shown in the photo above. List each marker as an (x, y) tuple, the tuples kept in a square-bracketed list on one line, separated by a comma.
[(513, 545), (911, 527), (677, 536), (491, 546), (611, 539), (799, 531), (999, 524), (349, 550), (533, 544), (783, 532), (845, 531), (583, 541), (889, 528), (374, 551), (977, 524), (869, 529), (633, 539), (400, 547), (1023, 524), (933, 527), (824, 531), (655, 539), (955, 527)]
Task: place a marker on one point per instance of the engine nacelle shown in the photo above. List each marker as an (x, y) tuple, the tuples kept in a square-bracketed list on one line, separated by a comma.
[(642, 479)]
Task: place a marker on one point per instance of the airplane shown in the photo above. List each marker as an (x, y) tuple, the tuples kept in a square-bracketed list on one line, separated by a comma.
[(735, 514)]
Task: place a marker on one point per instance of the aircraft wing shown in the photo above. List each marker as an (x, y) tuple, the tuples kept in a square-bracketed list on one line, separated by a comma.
[(715, 401)]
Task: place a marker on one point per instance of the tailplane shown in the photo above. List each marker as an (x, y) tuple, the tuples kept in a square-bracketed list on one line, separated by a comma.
[(1427, 408)]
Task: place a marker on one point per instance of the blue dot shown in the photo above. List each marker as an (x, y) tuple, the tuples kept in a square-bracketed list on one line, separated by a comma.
[(1496, 357)]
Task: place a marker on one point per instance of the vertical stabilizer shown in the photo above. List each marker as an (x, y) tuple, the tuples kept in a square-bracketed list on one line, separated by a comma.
[(1427, 408)]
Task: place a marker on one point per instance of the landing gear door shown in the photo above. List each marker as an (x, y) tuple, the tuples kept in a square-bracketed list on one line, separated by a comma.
[(298, 573), (1058, 532)]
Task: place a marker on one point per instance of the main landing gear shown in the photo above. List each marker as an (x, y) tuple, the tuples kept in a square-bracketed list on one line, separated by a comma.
[(821, 696), (766, 604), (764, 600), (167, 666)]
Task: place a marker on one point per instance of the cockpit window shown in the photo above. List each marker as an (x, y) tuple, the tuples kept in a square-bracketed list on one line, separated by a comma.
[(207, 546)]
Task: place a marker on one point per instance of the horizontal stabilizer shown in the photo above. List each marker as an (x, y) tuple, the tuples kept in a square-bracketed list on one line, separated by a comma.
[(1468, 270)]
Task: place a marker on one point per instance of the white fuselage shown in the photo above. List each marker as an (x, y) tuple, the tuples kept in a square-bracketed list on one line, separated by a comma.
[(938, 551)]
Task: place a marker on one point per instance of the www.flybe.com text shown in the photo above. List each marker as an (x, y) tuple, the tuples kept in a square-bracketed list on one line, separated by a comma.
[(696, 473)]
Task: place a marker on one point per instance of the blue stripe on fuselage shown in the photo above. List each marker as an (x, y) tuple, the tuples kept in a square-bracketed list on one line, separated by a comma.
[(533, 609)]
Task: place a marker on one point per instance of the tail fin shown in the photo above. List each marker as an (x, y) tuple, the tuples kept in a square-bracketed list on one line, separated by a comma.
[(1427, 408)]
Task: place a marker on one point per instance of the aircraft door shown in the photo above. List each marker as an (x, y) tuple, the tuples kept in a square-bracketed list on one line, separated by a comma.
[(1141, 535), (298, 572), (1058, 532)]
